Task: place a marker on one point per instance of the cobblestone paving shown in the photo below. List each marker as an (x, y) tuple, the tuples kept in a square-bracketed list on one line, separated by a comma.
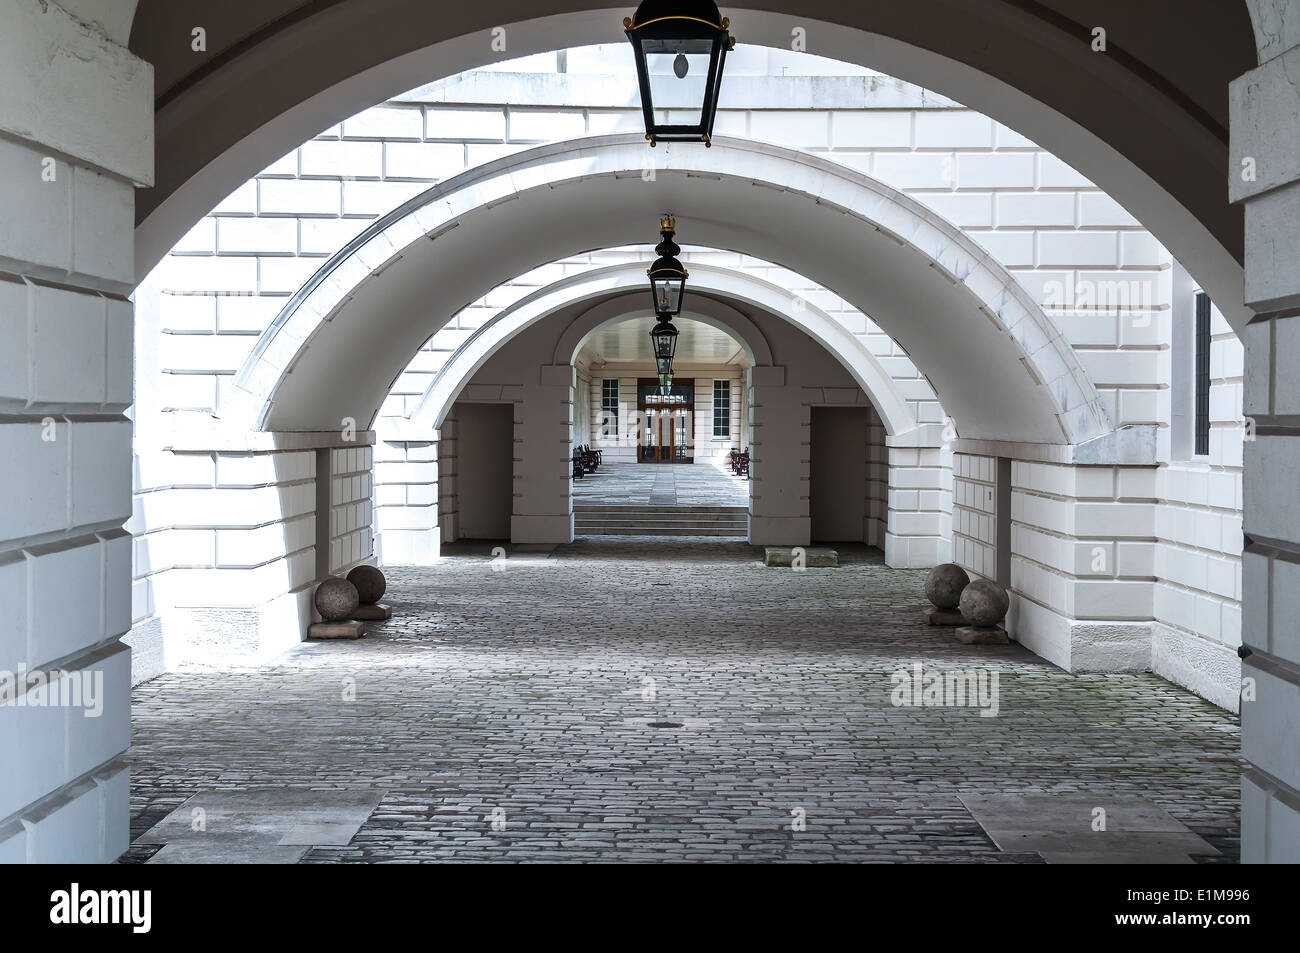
[(504, 715)]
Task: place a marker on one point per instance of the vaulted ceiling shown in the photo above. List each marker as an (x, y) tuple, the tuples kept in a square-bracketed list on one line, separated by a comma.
[(628, 342), (263, 59)]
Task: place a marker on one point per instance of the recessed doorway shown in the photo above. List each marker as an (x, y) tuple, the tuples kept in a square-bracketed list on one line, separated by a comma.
[(837, 473), (485, 447), (667, 422)]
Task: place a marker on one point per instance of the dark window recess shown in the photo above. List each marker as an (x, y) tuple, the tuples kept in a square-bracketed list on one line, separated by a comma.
[(609, 407), (1202, 374), (722, 408)]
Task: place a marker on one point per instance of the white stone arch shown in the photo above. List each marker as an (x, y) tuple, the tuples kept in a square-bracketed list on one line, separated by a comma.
[(1035, 103), (620, 290), (920, 278)]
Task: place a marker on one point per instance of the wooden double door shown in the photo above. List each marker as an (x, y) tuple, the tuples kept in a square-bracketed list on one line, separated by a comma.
[(667, 423)]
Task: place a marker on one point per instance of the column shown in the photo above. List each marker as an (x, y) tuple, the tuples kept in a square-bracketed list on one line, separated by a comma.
[(76, 114), (1264, 176)]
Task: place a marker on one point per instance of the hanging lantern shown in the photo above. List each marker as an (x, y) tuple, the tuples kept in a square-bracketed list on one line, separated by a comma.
[(681, 48), (666, 384), (667, 275), (663, 338)]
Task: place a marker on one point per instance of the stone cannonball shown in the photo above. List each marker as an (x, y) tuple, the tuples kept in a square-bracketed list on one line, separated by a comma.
[(944, 585), (336, 599), (984, 603), (370, 584)]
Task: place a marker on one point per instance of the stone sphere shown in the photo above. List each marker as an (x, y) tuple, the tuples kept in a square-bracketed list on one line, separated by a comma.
[(336, 599), (370, 584), (984, 603), (944, 585)]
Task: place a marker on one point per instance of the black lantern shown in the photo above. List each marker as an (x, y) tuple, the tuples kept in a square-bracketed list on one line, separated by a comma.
[(667, 275), (666, 384), (681, 47), (664, 340)]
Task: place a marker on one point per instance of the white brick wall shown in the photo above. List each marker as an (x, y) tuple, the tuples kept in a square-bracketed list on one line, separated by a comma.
[(66, 265), (351, 526)]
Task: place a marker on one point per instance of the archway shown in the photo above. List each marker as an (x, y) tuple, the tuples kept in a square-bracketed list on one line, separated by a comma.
[(252, 114), (918, 277), (620, 290)]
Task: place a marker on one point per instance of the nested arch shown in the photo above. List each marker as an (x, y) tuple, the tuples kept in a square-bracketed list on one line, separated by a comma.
[(617, 293), (1152, 130), (996, 361)]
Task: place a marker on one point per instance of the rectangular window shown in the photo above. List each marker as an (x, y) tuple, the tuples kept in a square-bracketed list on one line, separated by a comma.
[(1202, 374), (722, 408), (609, 408)]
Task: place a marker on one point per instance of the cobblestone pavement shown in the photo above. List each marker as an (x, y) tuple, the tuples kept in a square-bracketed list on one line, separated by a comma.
[(504, 715)]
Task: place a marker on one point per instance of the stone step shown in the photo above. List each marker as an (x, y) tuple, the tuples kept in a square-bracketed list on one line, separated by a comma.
[(737, 533), (604, 519), (682, 529), (620, 520), (581, 509), (667, 513), (659, 518)]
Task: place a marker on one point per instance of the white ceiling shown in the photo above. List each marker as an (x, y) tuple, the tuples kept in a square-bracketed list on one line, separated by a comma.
[(628, 342)]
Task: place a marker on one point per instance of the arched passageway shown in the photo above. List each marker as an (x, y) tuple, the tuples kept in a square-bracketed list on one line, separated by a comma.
[(920, 279), (1158, 118), (789, 375), (1146, 104)]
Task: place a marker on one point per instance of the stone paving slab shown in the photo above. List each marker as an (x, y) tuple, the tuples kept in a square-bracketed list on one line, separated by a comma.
[(813, 557), (1059, 828), (503, 712), (661, 484), (1144, 857), (1013, 812), (227, 850), (275, 825)]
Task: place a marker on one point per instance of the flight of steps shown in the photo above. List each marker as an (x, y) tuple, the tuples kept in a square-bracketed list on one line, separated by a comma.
[(648, 520)]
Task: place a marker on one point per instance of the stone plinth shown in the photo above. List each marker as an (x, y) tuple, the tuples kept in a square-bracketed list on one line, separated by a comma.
[(982, 635), (813, 558), (943, 617), (372, 612), (336, 630)]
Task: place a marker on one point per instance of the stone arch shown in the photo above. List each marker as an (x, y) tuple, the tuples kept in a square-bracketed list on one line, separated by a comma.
[(619, 291), (919, 277), (1151, 132)]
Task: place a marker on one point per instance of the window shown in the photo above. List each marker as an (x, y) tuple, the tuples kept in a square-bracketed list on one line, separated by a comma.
[(722, 408), (1202, 374), (609, 408)]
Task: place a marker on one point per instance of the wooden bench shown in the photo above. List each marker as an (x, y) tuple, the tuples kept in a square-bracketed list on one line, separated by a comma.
[(586, 458)]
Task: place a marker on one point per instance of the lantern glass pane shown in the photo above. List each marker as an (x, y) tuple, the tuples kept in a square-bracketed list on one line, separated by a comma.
[(678, 100), (668, 295), (663, 296)]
